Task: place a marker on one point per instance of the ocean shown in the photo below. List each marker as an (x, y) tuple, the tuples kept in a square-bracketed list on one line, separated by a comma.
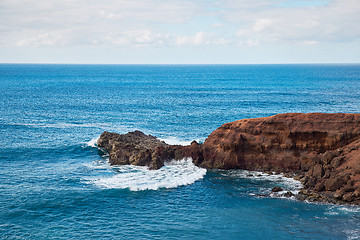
[(56, 184)]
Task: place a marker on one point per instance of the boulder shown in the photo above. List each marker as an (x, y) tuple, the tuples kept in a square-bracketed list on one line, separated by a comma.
[(333, 184)]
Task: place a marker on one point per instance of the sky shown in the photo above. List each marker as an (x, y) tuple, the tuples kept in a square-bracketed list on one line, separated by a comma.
[(180, 31)]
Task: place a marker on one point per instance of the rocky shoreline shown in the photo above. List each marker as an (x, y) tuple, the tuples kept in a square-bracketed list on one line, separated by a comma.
[(321, 150)]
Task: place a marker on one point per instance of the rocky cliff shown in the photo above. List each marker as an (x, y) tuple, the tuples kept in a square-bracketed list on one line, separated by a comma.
[(322, 150)]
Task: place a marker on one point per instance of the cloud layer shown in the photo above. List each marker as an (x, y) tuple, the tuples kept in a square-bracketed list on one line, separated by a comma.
[(177, 23)]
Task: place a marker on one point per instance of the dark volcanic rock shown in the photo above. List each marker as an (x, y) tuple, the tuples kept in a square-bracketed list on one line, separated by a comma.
[(277, 189), (323, 150), (288, 194)]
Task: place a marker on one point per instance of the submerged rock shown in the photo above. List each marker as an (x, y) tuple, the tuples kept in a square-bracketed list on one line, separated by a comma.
[(320, 149)]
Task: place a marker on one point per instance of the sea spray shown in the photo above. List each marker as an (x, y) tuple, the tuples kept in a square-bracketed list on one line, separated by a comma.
[(92, 142), (136, 178), (288, 184), (176, 141)]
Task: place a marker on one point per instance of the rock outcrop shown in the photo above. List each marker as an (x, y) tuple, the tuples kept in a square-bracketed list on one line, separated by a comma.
[(322, 150), (143, 150)]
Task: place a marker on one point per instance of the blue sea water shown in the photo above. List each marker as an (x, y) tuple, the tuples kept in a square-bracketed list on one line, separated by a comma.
[(56, 184)]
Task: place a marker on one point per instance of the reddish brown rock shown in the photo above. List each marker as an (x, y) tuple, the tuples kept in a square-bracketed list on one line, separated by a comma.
[(316, 145), (284, 142), (135, 148), (318, 171), (319, 187), (348, 197), (324, 149), (357, 193), (333, 184)]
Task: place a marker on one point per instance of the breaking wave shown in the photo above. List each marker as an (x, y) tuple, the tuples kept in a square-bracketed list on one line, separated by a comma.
[(342, 210), (137, 178), (176, 141), (92, 142), (287, 183)]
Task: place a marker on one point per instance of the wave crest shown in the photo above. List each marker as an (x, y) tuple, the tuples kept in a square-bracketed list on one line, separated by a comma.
[(92, 142), (176, 141), (137, 178)]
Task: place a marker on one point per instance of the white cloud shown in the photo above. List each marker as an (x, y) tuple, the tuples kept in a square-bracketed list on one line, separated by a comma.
[(221, 42), (216, 25), (44, 39), (262, 24), (136, 38), (309, 42), (144, 23), (81, 22), (200, 38), (266, 22), (145, 38)]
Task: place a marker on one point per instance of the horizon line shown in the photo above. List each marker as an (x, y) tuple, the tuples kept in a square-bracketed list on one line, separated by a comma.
[(291, 63)]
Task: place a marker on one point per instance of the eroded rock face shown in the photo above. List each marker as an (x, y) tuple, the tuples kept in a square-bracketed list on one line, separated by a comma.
[(284, 142), (323, 150)]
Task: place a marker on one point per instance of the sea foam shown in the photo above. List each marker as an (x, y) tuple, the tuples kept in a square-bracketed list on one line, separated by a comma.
[(92, 142), (137, 178), (342, 210), (176, 141), (288, 184)]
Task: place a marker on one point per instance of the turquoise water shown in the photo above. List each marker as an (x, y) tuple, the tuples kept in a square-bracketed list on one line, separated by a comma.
[(56, 184)]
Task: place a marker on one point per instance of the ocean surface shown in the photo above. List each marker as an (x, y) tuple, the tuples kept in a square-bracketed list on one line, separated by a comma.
[(56, 184)]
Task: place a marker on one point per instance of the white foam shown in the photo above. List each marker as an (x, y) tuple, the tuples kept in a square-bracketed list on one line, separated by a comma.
[(288, 184), (93, 142), (97, 165), (350, 209), (353, 234), (337, 210), (136, 178), (175, 141)]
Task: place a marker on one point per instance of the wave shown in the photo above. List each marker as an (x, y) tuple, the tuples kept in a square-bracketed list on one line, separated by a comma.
[(92, 142), (176, 141), (353, 234), (342, 210), (137, 178), (169, 140), (288, 184)]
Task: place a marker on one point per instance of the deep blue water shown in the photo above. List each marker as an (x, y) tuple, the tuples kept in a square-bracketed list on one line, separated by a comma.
[(54, 184)]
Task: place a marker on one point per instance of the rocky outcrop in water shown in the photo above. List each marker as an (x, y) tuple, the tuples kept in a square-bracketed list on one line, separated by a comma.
[(321, 150), (143, 150)]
